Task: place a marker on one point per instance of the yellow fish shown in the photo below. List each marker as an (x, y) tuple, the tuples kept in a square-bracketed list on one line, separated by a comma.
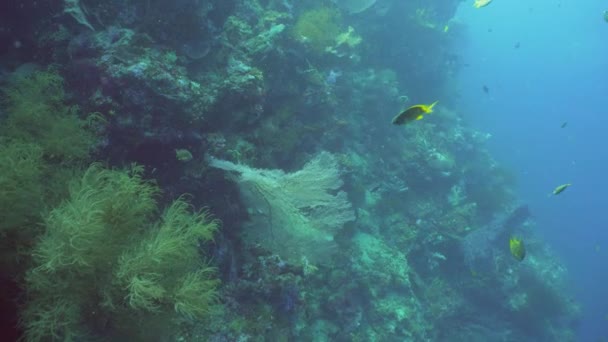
[(561, 188), (518, 250), (481, 3), (413, 113)]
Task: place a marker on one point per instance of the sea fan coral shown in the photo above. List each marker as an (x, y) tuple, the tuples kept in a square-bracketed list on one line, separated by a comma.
[(294, 214)]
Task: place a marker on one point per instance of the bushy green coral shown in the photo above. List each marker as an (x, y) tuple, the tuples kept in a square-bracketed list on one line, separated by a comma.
[(103, 264), (41, 140), (21, 202), (318, 28), (21, 192), (194, 293), (38, 114), (160, 269), (104, 206)]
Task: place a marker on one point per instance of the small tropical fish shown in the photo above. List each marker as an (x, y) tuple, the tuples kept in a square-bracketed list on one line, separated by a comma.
[(564, 124), (558, 190), (413, 113), (485, 89), (517, 248), (481, 3), (606, 16)]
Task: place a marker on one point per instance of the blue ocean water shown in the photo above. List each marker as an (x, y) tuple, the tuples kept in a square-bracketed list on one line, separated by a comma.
[(545, 63)]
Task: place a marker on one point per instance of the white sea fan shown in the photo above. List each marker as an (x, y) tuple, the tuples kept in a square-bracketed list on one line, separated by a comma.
[(293, 214)]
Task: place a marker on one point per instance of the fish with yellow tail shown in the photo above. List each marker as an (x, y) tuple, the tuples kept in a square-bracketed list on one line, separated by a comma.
[(413, 113), (517, 248), (481, 3), (558, 190)]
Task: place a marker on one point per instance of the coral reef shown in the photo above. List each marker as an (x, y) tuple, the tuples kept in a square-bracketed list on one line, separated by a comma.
[(337, 225)]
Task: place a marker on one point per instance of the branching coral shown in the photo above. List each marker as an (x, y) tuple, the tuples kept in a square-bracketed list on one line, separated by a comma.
[(21, 190), (104, 206), (103, 262), (41, 137), (38, 114)]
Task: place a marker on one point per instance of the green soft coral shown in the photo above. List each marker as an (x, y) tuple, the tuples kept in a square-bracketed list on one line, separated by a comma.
[(104, 206), (109, 265), (21, 202), (160, 270), (21, 191), (38, 114), (41, 140)]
